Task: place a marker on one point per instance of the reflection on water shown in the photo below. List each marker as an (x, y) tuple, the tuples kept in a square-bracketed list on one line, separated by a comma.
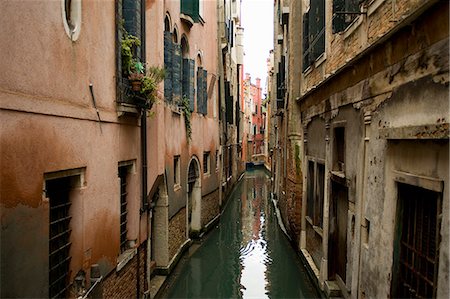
[(246, 255)]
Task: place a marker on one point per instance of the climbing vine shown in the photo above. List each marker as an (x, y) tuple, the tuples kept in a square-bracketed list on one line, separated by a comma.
[(185, 106)]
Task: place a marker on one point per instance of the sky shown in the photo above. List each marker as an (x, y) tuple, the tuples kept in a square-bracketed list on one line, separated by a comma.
[(257, 20)]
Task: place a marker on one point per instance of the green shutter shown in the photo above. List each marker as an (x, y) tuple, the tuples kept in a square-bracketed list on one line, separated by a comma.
[(176, 78), (191, 83), (185, 79), (199, 89), (168, 53), (191, 8), (205, 92)]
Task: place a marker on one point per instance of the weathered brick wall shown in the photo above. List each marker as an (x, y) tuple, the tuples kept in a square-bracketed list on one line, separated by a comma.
[(293, 198), (177, 232), (346, 45), (210, 207), (122, 284)]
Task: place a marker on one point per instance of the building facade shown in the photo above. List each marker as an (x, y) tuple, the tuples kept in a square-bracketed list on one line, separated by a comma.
[(254, 121), (102, 184), (231, 59), (373, 124)]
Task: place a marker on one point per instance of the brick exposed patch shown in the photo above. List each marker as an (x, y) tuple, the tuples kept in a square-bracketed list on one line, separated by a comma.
[(210, 207), (122, 284), (177, 232)]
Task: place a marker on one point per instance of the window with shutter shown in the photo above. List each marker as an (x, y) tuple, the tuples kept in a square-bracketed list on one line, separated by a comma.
[(168, 62), (199, 89), (176, 75), (191, 77), (191, 8), (205, 93), (128, 20), (313, 33)]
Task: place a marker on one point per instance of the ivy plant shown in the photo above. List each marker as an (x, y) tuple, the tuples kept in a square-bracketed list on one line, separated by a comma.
[(185, 106)]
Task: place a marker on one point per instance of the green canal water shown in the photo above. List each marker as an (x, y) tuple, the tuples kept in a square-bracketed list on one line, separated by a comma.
[(245, 256)]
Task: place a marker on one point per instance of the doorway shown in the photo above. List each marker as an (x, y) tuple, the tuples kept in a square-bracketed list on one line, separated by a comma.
[(337, 249), (194, 198)]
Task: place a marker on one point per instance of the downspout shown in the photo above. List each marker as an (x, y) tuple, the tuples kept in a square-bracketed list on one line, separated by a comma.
[(144, 204)]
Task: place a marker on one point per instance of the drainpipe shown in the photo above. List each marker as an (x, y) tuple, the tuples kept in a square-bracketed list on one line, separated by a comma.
[(144, 204)]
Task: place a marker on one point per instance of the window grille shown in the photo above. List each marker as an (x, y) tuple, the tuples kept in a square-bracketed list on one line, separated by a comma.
[(418, 240), (344, 12), (123, 175), (58, 192), (313, 33)]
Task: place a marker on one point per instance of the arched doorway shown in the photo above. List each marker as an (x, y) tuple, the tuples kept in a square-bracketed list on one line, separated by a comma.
[(194, 196)]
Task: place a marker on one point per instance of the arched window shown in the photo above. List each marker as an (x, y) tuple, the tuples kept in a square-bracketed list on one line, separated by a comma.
[(202, 79), (71, 15), (187, 80), (175, 35)]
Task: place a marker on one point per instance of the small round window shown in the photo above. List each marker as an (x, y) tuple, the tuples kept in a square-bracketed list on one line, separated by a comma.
[(71, 15)]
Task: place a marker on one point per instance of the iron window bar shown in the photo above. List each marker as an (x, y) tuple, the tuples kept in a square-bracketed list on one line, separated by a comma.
[(123, 208), (59, 236)]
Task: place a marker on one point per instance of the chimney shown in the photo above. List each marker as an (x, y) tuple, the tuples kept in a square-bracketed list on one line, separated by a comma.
[(258, 82)]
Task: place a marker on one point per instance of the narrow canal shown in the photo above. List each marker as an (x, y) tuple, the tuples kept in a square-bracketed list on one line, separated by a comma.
[(246, 255)]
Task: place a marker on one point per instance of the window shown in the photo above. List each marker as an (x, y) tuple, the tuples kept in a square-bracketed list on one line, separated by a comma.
[(416, 250), (187, 73), (72, 18), (344, 12), (315, 192), (123, 178), (281, 82), (202, 94), (192, 8), (217, 160), (229, 104), (339, 149), (313, 32), (206, 162), (129, 22), (176, 170), (58, 193)]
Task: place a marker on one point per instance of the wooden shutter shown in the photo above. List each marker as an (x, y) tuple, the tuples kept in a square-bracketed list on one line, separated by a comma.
[(185, 79), (176, 78), (199, 89), (191, 83), (168, 51), (191, 8), (205, 93)]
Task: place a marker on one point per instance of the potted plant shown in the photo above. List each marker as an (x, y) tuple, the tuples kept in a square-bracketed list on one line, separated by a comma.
[(149, 90), (136, 75)]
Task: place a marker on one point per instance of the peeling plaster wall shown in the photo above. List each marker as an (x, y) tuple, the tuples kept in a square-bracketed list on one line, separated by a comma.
[(49, 124), (394, 103)]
